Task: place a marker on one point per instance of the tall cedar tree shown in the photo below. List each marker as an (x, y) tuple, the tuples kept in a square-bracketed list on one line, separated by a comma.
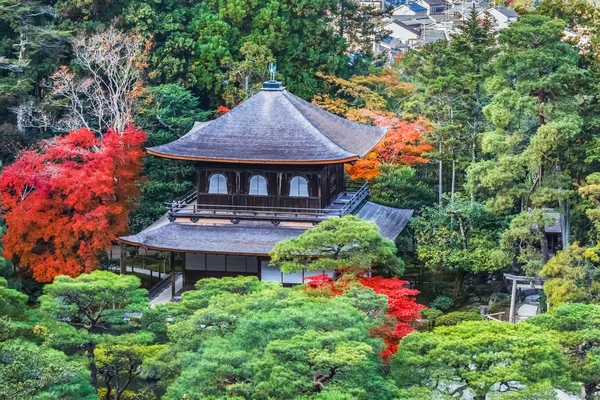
[(534, 111), (67, 201)]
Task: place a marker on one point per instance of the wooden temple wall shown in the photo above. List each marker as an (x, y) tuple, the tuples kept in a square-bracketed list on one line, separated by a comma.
[(325, 182)]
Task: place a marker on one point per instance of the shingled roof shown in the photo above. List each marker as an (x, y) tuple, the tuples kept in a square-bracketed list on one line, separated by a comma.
[(275, 127), (251, 237)]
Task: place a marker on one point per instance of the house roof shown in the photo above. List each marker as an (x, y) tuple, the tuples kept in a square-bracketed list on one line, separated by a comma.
[(405, 26), (275, 127), (417, 8), (248, 238), (414, 22), (507, 12), (429, 36), (435, 2)]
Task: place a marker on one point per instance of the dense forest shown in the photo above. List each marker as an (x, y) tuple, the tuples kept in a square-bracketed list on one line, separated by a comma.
[(493, 141)]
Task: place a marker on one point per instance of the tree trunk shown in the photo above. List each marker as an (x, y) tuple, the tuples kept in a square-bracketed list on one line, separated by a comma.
[(458, 283), (453, 180), (590, 390), (440, 188), (22, 49), (89, 352)]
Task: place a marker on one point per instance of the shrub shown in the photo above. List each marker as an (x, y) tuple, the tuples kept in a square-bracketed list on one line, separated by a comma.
[(455, 318), (442, 303)]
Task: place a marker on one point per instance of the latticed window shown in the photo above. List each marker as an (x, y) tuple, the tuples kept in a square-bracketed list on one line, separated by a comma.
[(299, 187), (258, 185), (218, 184)]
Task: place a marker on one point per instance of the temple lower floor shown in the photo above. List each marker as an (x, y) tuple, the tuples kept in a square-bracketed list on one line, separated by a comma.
[(206, 265)]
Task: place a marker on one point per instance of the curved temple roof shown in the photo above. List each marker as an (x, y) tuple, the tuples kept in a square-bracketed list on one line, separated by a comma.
[(275, 127), (252, 238)]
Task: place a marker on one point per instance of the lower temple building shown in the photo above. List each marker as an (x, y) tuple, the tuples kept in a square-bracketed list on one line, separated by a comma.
[(268, 170)]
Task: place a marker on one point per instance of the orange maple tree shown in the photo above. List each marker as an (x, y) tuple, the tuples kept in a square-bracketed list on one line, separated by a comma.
[(402, 306), (67, 202), (403, 144)]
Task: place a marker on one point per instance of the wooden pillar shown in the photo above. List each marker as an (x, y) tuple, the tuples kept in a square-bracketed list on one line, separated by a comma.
[(172, 268), (122, 258), (513, 301), (183, 255)]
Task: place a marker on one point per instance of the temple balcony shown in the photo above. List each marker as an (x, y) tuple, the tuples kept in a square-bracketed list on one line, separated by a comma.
[(189, 207)]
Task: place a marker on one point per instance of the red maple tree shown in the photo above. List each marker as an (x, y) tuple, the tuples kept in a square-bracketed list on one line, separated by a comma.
[(67, 202), (403, 144), (402, 306)]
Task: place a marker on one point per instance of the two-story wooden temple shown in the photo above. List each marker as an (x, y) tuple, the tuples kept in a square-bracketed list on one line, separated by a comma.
[(268, 170)]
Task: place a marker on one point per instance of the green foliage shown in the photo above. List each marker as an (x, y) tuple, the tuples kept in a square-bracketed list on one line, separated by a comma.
[(534, 117), (168, 112), (572, 276), (472, 357), (442, 303), (457, 317), (577, 327), (526, 240), (398, 186), (259, 340), (449, 90), (120, 359), (461, 237), (99, 300), (346, 242), (30, 372), (213, 47)]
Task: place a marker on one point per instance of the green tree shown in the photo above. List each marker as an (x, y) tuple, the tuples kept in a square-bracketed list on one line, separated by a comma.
[(168, 112), (335, 243), (250, 339), (535, 119), (462, 238), (399, 187), (31, 47), (449, 77), (121, 359), (474, 358), (573, 276), (31, 372), (92, 303), (212, 47), (525, 240), (577, 327)]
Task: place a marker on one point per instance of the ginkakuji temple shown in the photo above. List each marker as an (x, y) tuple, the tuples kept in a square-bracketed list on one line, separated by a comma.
[(267, 170)]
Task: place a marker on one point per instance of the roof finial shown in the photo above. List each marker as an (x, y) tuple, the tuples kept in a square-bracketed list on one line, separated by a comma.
[(272, 84), (272, 70)]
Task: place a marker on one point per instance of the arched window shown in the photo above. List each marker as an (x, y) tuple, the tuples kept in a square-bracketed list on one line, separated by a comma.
[(258, 185), (218, 184), (299, 187)]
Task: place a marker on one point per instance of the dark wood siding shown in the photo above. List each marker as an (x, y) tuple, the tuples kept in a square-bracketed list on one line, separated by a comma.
[(319, 177)]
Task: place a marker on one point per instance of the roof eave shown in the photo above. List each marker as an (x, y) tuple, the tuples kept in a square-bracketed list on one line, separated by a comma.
[(151, 150)]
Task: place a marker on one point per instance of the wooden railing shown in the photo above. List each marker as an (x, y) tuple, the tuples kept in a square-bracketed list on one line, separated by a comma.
[(186, 207), (495, 316)]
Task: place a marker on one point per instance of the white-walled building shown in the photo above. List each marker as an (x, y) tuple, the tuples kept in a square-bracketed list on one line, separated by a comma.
[(503, 16)]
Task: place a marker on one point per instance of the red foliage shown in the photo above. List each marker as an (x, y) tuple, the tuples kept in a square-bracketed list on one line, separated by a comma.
[(402, 307), (67, 202), (222, 110), (403, 144)]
